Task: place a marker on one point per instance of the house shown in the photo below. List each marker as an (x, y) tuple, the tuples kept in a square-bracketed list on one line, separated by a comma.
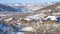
[(53, 18), (8, 20)]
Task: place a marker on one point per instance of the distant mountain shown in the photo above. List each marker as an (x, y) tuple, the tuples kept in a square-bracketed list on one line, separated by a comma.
[(25, 8), (8, 8), (50, 9), (54, 7)]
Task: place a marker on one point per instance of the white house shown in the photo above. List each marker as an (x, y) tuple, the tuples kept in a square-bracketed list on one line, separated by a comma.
[(51, 18)]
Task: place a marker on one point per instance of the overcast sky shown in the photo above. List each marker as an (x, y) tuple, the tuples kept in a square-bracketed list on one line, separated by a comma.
[(27, 1)]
